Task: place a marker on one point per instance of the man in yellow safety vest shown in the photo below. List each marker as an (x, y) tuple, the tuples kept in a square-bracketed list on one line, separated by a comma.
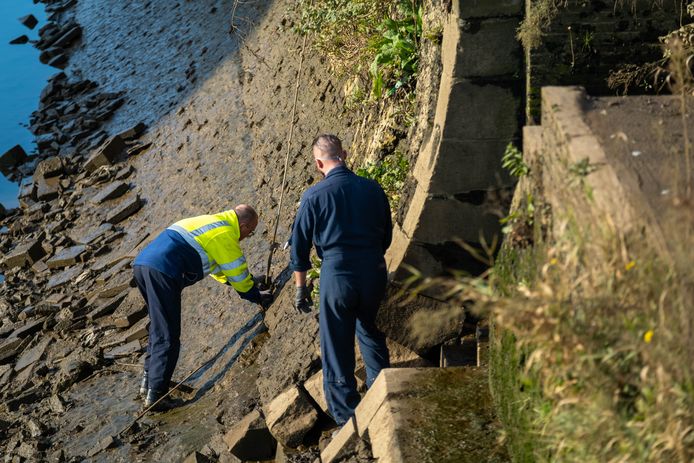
[(180, 256)]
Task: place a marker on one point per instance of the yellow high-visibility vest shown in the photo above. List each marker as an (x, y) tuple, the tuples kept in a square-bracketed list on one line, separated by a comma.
[(216, 239)]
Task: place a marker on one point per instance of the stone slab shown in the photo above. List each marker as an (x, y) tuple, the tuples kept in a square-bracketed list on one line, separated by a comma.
[(28, 328), (49, 167), (314, 387), (66, 257), (12, 158), (111, 191), (290, 416), (47, 189), (25, 254), (105, 155), (250, 439), (124, 350), (128, 207), (64, 277), (32, 355)]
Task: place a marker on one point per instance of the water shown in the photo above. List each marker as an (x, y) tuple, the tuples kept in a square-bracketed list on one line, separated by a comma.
[(22, 77)]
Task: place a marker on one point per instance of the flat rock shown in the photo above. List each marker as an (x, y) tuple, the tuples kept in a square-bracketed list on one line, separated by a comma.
[(10, 347), (290, 416), (93, 235), (28, 328), (133, 132), (64, 277), (12, 158), (250, 439), (32, 355), (25, 254), (123, 351), (66, 257), (21, 40), (117, 285), (104, 444), (29, 21), (112, 191), (107, 307), (106, 154), (69, 37), (127, 208)]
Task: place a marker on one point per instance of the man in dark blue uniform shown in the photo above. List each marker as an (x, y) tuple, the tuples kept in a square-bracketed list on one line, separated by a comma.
[(347, 218)]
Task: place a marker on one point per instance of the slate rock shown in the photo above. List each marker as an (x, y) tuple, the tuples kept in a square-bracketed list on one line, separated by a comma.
[(133, 132), (127, 208), (25, 254), (250, 439), (21, 40), (12, 158), (29, 21), (290, 416), (49, 167), (47, 189), (106, 154), (112, 191), (69, 37), (67, 257)]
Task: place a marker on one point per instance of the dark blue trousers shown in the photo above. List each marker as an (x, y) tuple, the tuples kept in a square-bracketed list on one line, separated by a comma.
[(350, 296), (162, 294)]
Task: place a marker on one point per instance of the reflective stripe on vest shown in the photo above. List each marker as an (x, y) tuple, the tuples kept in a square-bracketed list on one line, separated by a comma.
[(233, 265), (190, 239), (209, 226)]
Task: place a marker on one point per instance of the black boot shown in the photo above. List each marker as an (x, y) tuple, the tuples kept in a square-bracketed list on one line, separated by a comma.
[(163, 405), (144, 385)]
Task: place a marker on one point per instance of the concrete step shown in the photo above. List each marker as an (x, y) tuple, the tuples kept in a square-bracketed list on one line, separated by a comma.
[(416, 414)]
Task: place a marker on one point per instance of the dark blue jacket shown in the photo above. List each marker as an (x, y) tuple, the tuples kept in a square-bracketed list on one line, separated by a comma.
[(345, 216)]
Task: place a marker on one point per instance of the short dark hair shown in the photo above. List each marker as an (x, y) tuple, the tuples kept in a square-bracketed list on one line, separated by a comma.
[(329, 144)]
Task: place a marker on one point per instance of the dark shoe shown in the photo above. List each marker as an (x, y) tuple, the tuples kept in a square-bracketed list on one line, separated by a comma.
[(161, 405), (144, 385)]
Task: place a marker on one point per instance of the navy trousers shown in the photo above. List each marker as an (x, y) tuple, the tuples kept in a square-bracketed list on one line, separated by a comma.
[(162, 294), (350, 296)]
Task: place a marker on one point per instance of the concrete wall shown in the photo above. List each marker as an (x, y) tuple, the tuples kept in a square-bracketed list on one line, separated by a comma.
[(458, 173)]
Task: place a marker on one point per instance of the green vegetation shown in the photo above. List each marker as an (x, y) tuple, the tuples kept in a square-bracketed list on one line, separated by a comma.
[(397, 51), (313, 277), (512, 161), (390, 173), (375, 38)]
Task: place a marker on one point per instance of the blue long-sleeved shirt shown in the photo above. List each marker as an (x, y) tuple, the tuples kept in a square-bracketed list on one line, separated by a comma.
[(345, 216)]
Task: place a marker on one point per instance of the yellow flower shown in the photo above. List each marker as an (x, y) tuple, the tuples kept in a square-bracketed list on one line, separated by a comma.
[(630, 265), (648, 336), (553, 261)]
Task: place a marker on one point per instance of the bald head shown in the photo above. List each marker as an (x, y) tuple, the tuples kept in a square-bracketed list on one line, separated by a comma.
[(248, 219)]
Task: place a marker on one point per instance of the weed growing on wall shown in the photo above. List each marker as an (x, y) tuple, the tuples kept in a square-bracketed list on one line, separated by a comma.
[(390, 173)]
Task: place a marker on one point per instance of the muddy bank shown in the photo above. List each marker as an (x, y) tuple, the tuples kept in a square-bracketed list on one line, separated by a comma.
[(202, 118)]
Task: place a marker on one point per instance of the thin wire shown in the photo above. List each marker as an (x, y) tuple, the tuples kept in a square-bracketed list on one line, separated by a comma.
[(286, 164)]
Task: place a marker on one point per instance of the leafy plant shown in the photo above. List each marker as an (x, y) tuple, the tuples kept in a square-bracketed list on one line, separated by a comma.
[(397, 49), (390, 173), (313, 276), (513, 161)]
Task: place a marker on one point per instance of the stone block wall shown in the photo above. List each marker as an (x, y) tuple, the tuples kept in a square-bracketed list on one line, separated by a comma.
[(458, 173), (590, 38)]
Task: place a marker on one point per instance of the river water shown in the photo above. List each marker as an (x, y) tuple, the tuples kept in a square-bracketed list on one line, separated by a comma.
[(22, 77)]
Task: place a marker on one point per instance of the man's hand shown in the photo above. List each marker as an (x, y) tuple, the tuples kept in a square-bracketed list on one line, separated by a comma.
[(302, 301), (265, 299)]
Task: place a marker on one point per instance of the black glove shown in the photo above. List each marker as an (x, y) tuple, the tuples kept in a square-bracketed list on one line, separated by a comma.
[(302, 300), (265, 299)]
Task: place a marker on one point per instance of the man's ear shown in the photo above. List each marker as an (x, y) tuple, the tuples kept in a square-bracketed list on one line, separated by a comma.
[(319, 163)]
